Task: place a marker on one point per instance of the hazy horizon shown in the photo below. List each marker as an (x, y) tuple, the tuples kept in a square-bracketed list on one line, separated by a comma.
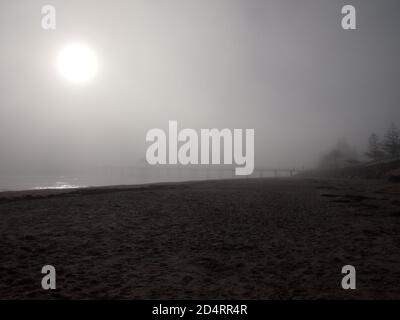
[(284, 68)]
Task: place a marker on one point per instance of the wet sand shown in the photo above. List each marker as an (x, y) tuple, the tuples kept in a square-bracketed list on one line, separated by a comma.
[(232, 239)]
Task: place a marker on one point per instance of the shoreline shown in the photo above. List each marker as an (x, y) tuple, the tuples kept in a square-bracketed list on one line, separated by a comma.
[(58, 191)]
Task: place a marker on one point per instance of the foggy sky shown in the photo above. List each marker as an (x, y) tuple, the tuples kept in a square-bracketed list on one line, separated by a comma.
[(285, 68)]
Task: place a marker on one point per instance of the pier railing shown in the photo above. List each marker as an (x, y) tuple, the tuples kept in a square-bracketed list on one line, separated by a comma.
[(170, 172)]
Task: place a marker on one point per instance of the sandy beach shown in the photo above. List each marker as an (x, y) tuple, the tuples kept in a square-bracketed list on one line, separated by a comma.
[(230, 239)]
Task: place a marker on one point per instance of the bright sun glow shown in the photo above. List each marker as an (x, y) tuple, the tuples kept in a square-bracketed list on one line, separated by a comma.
[(77, 63)]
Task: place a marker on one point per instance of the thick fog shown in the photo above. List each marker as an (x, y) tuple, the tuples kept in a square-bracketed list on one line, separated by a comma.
[(284, 68)]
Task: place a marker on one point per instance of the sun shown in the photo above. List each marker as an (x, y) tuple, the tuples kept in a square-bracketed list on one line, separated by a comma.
[(77, 63)]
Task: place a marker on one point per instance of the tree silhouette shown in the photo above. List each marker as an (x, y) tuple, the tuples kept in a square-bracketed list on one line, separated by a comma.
[(374, 150), (340, 156), (391, 142)]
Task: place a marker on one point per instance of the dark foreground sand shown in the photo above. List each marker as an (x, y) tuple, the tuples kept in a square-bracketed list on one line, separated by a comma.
[(238, 239)]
